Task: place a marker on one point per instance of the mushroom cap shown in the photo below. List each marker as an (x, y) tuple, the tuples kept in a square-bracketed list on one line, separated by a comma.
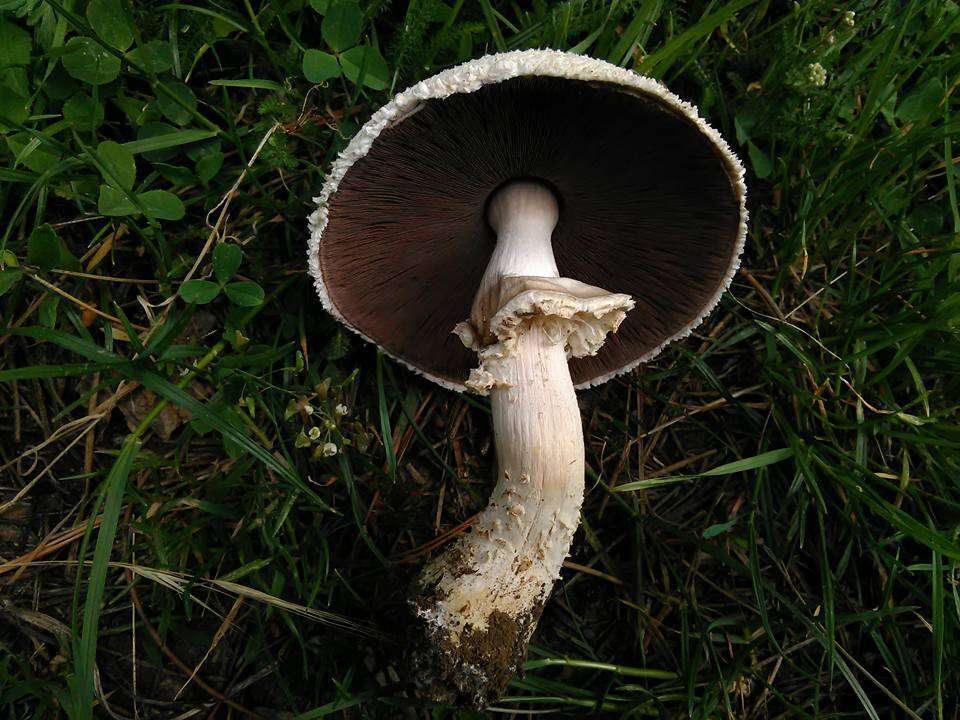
[(652, 205)]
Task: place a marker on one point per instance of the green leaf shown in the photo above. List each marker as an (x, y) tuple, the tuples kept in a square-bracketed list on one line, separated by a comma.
[(113, 203), (197, 150), (652, 483), (85, 649), (15, 92), (9, 278), (110, 21), (199, 292), (226, 261), (38, 157), (341, 24), (386, 429), (88, 62), (319, 66), (926, 220), (13, 106), (743, 124), (161, 205), (762, 165), (718, 529), (888, 109), (921, 101), (936, 594), (157, 140), (757, 461), (136, 109), (338, 347), (119, 168), (176, 175), (59, 85), (82, 112), (321, 6), (155, 56), (245, 294), (365, 64), (250, 567), (209, 165), (47, 312), (857, 689), (43, 247), (14, 45), (49, 371), (894, 199), (249, 83), (177, 109)]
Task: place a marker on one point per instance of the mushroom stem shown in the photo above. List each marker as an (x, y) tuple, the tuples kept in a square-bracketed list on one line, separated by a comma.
[(523, 214), (479, 601)]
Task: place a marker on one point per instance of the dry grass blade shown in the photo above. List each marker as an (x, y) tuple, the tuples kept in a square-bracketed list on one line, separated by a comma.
[(179, 582)]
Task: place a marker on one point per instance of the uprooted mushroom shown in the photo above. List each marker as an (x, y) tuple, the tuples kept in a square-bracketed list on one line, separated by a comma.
[(566, 219)]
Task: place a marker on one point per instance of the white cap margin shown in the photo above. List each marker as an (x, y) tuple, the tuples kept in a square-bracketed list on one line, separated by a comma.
[(473, 75)]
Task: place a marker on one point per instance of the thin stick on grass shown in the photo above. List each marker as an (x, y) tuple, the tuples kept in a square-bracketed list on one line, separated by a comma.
[(182, 666)]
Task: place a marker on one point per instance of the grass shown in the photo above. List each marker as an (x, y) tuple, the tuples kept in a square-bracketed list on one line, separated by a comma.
[(772, 527)]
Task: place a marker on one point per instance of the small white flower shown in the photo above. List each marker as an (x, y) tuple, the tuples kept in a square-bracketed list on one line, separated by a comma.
[(308, 409), (341, 410), (816, 75), (329, 449), (849, 18), (314, 433)]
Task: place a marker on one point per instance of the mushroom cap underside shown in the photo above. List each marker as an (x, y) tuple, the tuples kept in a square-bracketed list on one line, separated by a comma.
[(651, 205)]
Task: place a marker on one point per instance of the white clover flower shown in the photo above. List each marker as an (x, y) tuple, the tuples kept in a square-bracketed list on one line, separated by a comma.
[(849, 18), (341, 410), (816, 75), (314, 433), (329, 449)]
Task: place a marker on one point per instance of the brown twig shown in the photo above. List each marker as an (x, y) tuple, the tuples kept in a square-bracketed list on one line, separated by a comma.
[(46, 547), (107, 278), (570, 565), (77, 301), (182, 666), (438, 541)]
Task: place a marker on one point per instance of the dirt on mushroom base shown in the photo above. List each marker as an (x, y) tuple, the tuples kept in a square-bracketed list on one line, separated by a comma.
[(474, 670)]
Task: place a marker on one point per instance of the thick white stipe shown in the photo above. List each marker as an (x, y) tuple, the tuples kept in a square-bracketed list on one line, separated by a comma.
[(495, 579)]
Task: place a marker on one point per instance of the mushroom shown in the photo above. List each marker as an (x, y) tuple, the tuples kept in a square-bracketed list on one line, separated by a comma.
[(566, 219)]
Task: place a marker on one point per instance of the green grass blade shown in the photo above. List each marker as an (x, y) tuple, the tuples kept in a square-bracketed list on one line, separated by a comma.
[(86, 646), (658, 63), (753, 463), (386, 432), (937, 602)]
